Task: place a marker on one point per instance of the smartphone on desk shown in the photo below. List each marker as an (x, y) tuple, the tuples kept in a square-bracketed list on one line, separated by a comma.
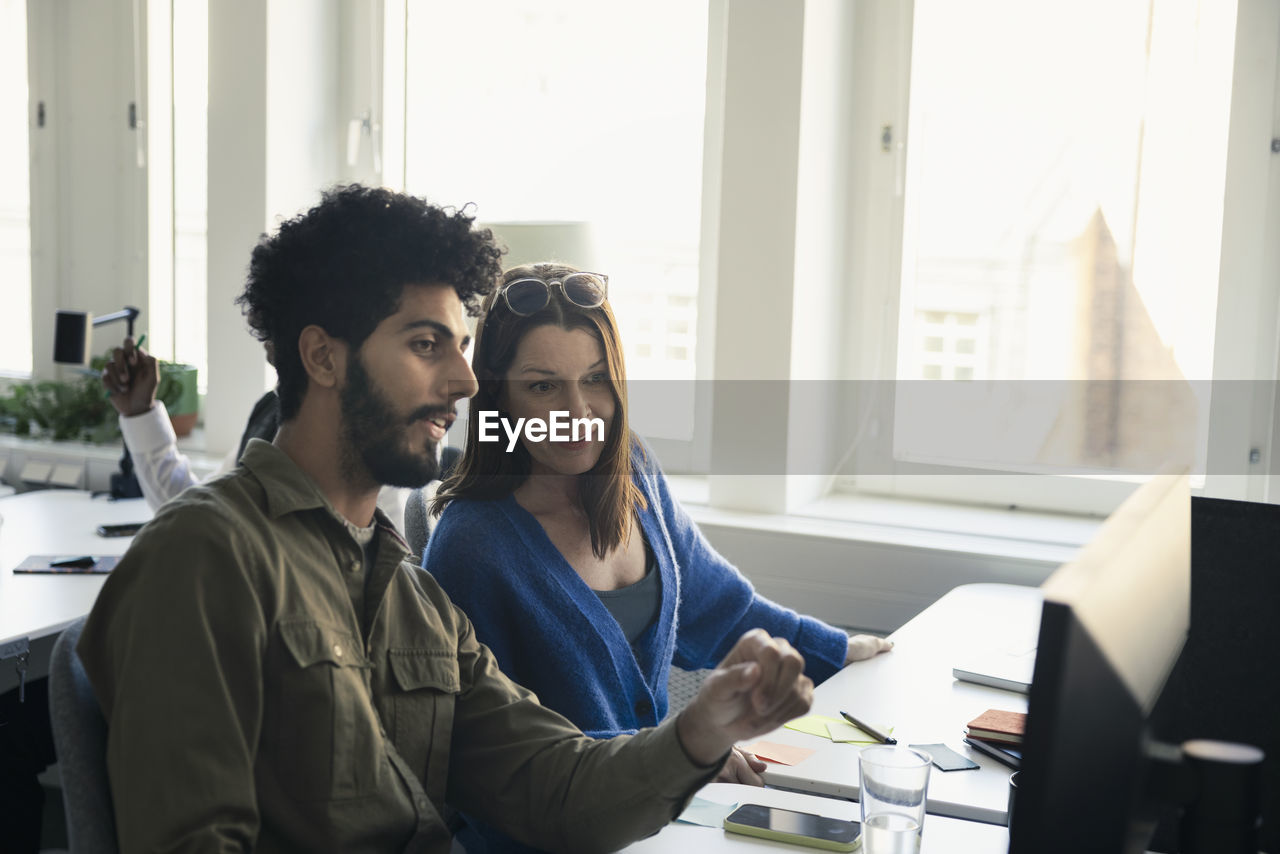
[(798, 828), (946, 759), (120, 530)]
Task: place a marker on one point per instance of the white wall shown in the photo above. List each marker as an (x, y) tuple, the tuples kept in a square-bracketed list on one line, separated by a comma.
[(875, 578)]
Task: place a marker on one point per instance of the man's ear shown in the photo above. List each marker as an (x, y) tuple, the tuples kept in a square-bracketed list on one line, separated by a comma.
[(324, 357)]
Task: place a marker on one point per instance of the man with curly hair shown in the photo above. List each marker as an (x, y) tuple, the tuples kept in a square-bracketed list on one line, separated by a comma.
[(299, 685)]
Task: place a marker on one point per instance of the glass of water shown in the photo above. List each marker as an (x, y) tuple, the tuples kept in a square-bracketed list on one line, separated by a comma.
[(893, 784)]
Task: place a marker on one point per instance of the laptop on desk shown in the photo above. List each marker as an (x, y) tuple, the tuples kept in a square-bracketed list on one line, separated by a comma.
[(1010, 669)]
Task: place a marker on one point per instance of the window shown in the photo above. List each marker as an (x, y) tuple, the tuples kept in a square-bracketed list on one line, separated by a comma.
[(190, 181), (178, 86), (946, 345), (1054, 240), (15, 203), (573, 112)]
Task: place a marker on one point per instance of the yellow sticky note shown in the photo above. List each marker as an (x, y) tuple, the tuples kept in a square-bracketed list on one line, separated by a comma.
[(813, 724), (845, 732)]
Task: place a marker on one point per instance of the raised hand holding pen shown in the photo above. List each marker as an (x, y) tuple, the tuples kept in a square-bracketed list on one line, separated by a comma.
[(131, 378)]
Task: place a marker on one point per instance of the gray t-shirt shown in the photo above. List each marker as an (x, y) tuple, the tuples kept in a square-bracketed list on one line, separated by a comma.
[(636, 606)]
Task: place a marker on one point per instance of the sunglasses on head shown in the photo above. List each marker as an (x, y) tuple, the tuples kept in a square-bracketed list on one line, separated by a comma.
[(530, 294)]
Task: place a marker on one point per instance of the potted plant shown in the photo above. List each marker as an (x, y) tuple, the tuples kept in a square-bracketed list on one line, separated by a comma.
[(180, 395), (78, 409), (63, 411)]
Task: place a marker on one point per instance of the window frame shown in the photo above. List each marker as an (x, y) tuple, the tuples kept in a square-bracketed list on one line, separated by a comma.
[(678, 456), (729, 339), (877, 237)]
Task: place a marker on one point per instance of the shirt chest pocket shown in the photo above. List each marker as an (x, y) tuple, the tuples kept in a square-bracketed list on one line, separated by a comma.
[(325, 728), (427, 683)]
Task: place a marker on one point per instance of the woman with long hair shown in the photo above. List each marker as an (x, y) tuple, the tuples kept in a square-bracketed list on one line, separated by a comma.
[(576, 565)]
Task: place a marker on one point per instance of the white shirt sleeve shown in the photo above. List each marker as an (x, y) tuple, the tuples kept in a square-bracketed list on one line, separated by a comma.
[(162, 470)]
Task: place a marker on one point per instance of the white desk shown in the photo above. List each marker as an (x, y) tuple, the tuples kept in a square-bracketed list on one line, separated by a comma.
[(55, 522), (941, 835), (911, 689)]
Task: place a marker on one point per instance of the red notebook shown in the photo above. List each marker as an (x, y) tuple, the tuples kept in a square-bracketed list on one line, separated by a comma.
[(998, 725)]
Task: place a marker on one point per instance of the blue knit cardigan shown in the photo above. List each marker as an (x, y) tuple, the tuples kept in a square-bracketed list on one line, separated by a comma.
[(553, 635)]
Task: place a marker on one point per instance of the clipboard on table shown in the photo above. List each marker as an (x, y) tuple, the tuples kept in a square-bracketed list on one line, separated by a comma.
[(68, 564)]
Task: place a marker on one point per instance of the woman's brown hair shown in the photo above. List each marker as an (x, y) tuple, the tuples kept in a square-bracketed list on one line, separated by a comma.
[(487, 471)]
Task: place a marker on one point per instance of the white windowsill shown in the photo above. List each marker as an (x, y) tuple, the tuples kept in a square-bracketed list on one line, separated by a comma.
[(100, 461), (883, 520), (965, 529)]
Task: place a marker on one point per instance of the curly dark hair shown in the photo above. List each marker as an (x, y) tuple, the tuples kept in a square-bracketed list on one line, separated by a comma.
[(343, 265)]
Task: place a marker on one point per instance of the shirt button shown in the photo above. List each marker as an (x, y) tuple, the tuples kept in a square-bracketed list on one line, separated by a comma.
[(643, 708), (337, 650), (355, 566)]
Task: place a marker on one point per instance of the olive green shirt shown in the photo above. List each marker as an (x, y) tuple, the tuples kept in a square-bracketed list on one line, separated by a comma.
[(250, 706)]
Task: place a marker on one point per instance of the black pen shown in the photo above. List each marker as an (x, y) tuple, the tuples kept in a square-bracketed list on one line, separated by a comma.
[(82, 562), (871, 731)]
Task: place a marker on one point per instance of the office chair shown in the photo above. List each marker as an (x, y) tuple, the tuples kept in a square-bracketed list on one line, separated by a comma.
[(80, 736), (417, 526), (682, 687), (417, 516)]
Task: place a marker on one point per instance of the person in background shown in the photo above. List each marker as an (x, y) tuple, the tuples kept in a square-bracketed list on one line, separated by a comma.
[(579, 569), (131, 378), (301, 686)]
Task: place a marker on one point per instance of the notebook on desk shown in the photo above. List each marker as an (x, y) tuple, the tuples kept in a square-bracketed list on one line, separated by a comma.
[(1010, 669), (1006, 753), (58, 564)]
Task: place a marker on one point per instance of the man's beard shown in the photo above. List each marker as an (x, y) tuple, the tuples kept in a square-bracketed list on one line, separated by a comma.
[(374, 434)]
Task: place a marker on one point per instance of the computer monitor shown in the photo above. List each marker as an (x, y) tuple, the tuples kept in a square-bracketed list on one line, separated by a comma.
[(1113, 624), (1224, 685)]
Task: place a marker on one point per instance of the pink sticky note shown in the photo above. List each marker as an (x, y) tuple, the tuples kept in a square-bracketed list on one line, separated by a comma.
[(782, 754)]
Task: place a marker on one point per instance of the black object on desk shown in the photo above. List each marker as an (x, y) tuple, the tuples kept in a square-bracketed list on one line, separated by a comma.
[(81, 562), (127, 530)]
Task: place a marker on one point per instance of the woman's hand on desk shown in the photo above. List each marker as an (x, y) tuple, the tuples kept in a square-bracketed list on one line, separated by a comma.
[(759, 686), (862, 647), (742, 767)]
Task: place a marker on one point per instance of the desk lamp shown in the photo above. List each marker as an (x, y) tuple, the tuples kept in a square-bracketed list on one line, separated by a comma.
[(72, 345), (73, 333)]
